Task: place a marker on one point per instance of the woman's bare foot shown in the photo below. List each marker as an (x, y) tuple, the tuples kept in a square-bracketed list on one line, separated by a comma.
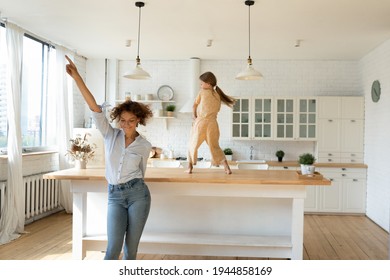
[(226, 167)]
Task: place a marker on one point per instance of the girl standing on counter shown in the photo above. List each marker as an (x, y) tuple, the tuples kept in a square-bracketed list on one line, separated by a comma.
[(205, 127), (127, 153)]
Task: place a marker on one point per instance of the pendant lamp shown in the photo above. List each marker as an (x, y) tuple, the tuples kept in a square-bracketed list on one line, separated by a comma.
[(138, 73), (249, 73)]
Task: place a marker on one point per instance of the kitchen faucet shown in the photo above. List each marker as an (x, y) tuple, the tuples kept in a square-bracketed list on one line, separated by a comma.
[(251, 154)]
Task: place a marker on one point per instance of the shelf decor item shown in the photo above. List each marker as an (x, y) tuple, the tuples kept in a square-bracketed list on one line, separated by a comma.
[(165, 93), (228, 153), (170, 109), (279, 154), (307, 160), (81, 151)]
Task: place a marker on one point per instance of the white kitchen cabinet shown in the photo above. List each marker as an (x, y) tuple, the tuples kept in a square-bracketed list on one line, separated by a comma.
[(347, 194), (354, 195), (330, 198), (311, 200), (252, 118), (341, 129), (274, 118), (352, 131), (295, 118)]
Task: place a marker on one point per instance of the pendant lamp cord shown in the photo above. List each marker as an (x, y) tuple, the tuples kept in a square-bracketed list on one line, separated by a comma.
[(139, 30), (249, 29)]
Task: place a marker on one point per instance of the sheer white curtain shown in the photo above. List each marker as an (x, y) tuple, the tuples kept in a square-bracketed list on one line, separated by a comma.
[(65, 122), (12, 219)]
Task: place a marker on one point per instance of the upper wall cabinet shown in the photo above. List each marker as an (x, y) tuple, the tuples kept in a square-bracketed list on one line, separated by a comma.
[(252, 118), (274, 118), (296, 118), (341, 133)]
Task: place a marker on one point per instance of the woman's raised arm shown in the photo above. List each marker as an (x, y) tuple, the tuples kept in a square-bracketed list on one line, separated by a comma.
[(71, 69)]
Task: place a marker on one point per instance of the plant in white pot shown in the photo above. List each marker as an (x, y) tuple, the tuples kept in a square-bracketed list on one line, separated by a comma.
[(228, 153), (170, 109), (307, 160)]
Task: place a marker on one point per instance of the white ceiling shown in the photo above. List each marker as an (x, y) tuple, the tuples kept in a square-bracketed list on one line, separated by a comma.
[(179, 29)]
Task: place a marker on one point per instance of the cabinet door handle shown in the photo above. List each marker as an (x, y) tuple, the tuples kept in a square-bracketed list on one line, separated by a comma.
[(330, 120), (330, 154), (285, 167), (353, 121), (343, 168), (329, 160), (343, 175), (355, 180)]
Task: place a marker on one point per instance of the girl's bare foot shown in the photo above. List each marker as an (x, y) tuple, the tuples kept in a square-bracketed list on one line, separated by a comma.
[(227, 168), (190, 167)]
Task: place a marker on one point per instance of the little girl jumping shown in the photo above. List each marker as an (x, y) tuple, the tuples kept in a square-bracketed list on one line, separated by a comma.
[(205, 127)]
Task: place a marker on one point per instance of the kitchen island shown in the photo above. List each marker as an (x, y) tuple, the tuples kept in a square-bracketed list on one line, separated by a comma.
[(250, 213)]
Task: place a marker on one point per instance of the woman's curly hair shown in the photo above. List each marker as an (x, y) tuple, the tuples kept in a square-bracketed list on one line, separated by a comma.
[(140, 110)]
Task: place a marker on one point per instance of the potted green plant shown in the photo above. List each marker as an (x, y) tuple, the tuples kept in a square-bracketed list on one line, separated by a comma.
[(228, 153), (170, 109), (306, 161), (279, 154)]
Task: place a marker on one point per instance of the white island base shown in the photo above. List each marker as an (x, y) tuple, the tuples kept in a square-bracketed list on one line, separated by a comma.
[(247, 214)]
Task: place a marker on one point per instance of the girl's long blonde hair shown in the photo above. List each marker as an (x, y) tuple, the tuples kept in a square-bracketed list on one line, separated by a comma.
[(209, 77)]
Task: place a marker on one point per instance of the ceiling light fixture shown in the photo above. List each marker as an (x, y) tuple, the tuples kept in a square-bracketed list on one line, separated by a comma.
[(138, 73), (249, 73)]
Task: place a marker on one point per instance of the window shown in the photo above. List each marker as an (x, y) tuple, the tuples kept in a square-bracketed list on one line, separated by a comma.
[(38, 118), (38, 128)]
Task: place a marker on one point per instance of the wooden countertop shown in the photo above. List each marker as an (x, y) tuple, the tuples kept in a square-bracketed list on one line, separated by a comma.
[(335, 165), (177, 175), (294, 164)]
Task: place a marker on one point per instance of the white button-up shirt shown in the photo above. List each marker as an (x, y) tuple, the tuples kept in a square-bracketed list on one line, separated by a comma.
[(122, 164)]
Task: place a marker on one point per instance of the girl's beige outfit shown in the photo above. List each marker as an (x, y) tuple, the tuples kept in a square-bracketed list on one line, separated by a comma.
[(205, 127)]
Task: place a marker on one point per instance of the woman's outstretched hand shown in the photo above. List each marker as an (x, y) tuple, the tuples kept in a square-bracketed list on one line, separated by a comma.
[(71, 68)]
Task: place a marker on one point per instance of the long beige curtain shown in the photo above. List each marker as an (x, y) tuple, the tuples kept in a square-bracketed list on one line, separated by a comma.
[(12, 219)]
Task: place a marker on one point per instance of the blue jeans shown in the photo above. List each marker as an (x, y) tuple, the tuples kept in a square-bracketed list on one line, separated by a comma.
[(128, 210)]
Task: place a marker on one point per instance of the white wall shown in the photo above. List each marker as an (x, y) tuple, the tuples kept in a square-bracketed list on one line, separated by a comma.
[(376, 66)]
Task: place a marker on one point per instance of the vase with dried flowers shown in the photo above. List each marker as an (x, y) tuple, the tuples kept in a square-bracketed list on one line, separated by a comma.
[(81, 151)]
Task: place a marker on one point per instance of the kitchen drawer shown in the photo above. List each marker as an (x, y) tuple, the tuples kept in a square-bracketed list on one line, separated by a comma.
[(329, 157), (329, 160), (343, 172), (329, 154), (352, 160)]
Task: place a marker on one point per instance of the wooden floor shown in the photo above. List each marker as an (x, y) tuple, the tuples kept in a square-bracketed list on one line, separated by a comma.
[(325, 238)]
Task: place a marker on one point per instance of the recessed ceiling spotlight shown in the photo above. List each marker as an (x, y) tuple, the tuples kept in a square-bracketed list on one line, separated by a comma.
[(209, 43), (297, 43), (128, 43)]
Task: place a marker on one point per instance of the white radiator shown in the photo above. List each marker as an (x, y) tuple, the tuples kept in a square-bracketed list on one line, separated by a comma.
[(41, 196)]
